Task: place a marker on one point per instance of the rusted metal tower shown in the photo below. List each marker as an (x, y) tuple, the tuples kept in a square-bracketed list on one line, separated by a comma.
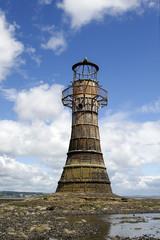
[(84, 170)]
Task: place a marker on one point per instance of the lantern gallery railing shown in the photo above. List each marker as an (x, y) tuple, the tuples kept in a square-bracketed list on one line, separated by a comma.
[(100, 95)]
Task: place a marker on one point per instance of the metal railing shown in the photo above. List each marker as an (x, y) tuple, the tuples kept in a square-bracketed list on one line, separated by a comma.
[(101, 97)]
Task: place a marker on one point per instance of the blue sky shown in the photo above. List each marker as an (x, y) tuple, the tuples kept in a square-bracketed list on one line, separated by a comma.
[(40, 40)]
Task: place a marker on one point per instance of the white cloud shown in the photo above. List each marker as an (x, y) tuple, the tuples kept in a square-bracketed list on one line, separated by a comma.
[(10, 93), (45, 129), (56, 43), (47, 28), (23, 177), (130, 143), (47, 143), (152, 4), (130, 148), (39, 103), (10, 48), (83, 12), (153, 107), (47, 2), (32, 53), (132, 184)]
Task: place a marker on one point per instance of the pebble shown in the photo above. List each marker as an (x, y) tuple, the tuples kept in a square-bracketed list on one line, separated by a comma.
[(69, 231), (22, 235)]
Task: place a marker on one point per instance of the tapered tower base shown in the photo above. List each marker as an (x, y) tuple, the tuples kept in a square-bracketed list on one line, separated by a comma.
[(85, 187), (84, 172)]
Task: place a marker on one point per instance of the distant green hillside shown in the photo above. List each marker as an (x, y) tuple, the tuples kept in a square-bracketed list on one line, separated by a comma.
[(12, 194)]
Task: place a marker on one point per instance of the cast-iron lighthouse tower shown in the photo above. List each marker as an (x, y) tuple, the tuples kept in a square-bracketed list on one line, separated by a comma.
[(84, 170)]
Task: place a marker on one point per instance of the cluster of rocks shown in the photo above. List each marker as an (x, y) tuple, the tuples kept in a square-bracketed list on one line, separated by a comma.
[(47, 217), (144, 237), (39, 223)]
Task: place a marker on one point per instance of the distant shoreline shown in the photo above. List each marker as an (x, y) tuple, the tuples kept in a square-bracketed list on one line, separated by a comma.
[(12, 199)]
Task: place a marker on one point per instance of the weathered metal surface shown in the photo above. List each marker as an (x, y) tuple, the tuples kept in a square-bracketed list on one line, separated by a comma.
[(84, 170), (89, 92)]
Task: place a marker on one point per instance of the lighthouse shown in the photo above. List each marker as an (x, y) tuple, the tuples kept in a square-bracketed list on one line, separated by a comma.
[(84, 170)]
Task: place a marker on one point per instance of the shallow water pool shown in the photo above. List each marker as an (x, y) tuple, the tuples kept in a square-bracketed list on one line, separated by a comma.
[(125, 225)]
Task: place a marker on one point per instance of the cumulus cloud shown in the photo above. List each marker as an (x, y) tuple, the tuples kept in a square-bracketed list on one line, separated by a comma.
[(82, 12), (48, 143), (56, 43), (131, 143), (39, 103), (133, 184), (10, 47), (43, 132), (128, 147), (23, 177), (44, 129)]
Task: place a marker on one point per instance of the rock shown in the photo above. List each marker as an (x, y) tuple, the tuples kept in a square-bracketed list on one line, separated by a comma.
[(124, 217), (22, 235), (51, 208), (53, 239), (9, 229), (32, 213), (137, 228), (16, 214), (84, 221), (10, 208), (156, 218), (81, 221), (105, 208), (65, 211), (12, 233), (40, 208), (60, 218), (21, 214), (33, 228), (134, 221), (40, 228), (69, 231)]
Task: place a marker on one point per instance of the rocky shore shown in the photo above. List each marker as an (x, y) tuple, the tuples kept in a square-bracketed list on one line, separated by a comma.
[(47, 217)]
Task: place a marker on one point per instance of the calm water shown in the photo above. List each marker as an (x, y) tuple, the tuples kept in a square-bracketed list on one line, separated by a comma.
[(126, 225)]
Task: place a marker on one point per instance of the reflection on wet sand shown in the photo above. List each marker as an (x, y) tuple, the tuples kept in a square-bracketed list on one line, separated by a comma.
[(102, 227)]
